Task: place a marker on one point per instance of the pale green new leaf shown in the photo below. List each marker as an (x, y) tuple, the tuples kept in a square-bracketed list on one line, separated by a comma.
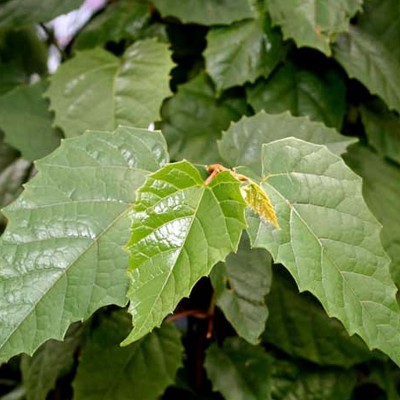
[(96, 90), (313, 23), (241, 143), (181, 228), (206, 12), (142, 370), (240, 285), (381, 190), (329, 240), (37, 138), (61, 254), (242, 52), (320, 96), (22, 12), (239, 371), (193, 119), (299, 326)]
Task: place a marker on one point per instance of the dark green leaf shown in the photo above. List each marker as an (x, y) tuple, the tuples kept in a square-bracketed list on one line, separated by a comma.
[(10, 77), (193, 120), (142, 370), (298, 325), (241, 143), (36, 138), (181, 228), (304, 93), (239, 371), (240, 285), (207, 12), (61, 254), (329, 240), (242, 52)]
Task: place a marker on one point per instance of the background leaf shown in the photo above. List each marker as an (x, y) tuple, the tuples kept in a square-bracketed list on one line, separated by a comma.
[(94, 90), (37, 138), (181, 228), (329, 240), (242, 52), (142, 370), (240, 285), (241, 143), (61, 254)]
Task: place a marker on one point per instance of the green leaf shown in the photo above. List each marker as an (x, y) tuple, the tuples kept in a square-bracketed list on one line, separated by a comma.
[(10, 77), (50, 361), (239, 371), (313, 23), (95, 90), (120, 20), (61, 254), (37, 138), (382, 192), (241, 143), (367, 59), (142, 370), (320, 96), (383, 129), (240, 285), (298, 325), (242, 52), (22, 12), (193, 120), (206, 12), (181, 228), (329, 240)]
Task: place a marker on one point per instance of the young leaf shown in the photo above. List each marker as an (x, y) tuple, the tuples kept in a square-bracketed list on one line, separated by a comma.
[(242, 52), (181, 228), (142, 370), (61, 254), (239, 371), (240, 285), (206, 12), (95, 90), (313, 23), (38, 138), (241, 143), (193, 120), (329, 240), (320, 96)]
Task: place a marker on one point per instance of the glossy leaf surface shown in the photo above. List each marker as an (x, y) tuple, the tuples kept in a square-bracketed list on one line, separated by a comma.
[(95, 90), (329, 240), (241, 143), (142, 370), (181, 228), (240, 285), (61, 254), (242, 52)]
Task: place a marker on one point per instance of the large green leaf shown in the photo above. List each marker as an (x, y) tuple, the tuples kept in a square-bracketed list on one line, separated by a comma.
[(240, 285), (10, 77), (61, 255), (193, 120), (37, 138), (383, 129), (21, 12), (313, 23), (298, 325), (329, 240), (142, 370), (320, 96), (95, 90), (382, 193), (241, 143), (207, 12), (242, 52), (239, 371), (181, 228)]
